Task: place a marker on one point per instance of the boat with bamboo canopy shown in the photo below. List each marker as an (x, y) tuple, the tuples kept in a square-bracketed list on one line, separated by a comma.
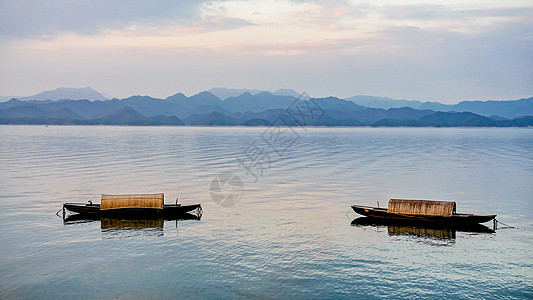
[(421, 211), (132, 205)]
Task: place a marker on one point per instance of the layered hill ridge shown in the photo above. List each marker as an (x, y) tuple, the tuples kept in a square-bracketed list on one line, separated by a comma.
[(263, 108), (501, 108), (86, 93)]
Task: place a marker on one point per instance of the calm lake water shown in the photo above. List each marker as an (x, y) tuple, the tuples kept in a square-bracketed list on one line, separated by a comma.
[(291, 233)]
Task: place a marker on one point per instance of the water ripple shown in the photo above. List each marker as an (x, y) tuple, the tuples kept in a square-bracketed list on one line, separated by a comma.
[(289, 237)]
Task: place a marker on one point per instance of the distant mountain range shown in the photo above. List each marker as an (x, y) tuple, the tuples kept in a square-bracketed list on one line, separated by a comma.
[(257, 108), (63, 93), (225, 93), (506, 109)]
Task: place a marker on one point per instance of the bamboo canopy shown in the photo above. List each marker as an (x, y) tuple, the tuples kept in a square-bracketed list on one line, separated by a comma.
[(132, 201), (421, 207)]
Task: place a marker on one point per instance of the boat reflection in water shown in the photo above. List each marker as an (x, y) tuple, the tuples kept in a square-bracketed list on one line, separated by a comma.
[(431, 233), (117, 228)]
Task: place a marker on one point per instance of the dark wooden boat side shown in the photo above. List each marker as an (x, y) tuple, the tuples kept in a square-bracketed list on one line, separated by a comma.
[(82, 208), (376, 212), (168, 211), (177, 209)]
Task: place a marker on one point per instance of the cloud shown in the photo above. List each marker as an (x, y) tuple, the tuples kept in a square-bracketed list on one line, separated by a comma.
[(414, 49), (207, 23), (431, 12), (45, 18), (327, 15)]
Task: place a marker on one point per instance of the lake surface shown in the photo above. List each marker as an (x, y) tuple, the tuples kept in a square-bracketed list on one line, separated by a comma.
[(288, 231)]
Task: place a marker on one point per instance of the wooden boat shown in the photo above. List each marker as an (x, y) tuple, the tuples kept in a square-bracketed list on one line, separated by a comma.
[(137, 205), (421, 211)]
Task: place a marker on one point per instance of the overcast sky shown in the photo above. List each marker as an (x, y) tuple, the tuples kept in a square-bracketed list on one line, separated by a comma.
[(444, 51)]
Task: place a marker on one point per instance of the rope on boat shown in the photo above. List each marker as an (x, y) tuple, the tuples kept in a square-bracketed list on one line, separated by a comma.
[(348, 213), (496, 222), (62, 209)]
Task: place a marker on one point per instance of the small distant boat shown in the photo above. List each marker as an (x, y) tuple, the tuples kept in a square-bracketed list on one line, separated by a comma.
[(421, 211), (133, 205)]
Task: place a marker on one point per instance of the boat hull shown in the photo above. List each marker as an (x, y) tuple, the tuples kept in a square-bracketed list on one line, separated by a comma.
[(455, 218), (168, 211)]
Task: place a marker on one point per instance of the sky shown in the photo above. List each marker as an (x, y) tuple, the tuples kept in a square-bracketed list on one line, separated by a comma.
[(446, 51)]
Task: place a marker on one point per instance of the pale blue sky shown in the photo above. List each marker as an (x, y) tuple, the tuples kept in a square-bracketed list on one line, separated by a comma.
[(444, 51)]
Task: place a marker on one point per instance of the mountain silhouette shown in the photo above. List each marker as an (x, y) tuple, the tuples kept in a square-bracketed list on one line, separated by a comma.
[(67, 93), (261, 109)]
